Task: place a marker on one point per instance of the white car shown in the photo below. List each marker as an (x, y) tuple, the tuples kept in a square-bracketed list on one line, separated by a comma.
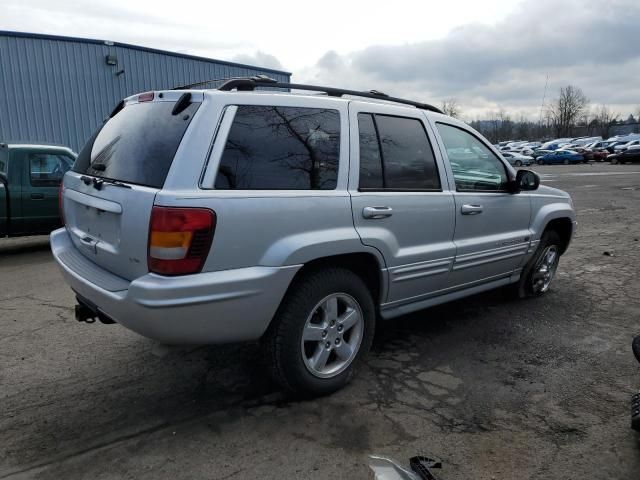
[(625, 146), (517, 159)]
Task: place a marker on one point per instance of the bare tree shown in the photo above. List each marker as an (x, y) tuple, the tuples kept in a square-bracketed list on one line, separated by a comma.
[(523, 130), (450, 107), (505, 131), (605, 119), (567, 109)]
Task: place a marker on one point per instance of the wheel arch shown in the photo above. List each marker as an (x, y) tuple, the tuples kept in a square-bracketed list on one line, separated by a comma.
[(366, 264), (563, 226), (556, 216)]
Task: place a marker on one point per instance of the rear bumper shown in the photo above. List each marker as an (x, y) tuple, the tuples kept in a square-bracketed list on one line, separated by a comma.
[(212, 307)]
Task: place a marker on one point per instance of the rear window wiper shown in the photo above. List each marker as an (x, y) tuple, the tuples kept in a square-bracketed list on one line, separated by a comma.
[(99, 182)]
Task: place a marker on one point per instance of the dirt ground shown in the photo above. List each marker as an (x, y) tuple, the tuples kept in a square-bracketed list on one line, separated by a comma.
[(495, 388)]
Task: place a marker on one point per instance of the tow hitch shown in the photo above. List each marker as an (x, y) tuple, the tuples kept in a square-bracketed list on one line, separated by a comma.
[(88, 314)]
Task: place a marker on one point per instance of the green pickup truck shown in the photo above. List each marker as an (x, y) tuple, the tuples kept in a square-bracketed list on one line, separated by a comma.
[(30, 177)]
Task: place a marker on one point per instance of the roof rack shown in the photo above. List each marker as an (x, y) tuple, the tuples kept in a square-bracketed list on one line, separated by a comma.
[(251, 83)]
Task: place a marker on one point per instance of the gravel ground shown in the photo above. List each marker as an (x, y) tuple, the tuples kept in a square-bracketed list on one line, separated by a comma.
[(496, 388)]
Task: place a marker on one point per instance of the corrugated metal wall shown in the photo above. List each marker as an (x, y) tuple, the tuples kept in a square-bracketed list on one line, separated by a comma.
[(58, 90)]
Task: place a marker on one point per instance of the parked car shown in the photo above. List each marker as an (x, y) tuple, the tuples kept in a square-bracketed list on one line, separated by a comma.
[(584, 141), (540, 152), (555, 144), (517, 159), (30, 177), (597, 154), (560, 156), (298, 220), (630, 155), (530, 148), (611, 146), (598, 144), (624, 138), (514, 145), (574, 148), (624, 146)]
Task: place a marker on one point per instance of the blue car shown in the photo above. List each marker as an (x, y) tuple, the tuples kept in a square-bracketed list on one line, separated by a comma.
[(561, 156)]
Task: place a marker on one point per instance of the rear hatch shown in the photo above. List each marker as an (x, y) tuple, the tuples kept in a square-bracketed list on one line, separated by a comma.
[(109, 195)]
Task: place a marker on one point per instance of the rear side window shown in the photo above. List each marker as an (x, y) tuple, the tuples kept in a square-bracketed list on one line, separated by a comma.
[(284, 148), (137, 145), (395, 154), (370, 160), (47, 169)]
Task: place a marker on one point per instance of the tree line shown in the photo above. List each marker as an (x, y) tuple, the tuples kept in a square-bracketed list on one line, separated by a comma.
[(570, 114)]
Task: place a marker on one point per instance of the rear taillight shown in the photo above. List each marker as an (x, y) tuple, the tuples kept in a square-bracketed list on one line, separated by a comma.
[(179, 239), (61, 202)]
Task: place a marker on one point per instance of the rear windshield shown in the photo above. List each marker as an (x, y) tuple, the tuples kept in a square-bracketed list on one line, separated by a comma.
[(137, 145)]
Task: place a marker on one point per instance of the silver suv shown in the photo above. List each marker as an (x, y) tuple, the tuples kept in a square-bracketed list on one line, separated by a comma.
[(231, 215)]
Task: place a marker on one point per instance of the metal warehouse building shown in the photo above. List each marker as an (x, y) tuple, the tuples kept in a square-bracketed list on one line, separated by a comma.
[(59, 89)]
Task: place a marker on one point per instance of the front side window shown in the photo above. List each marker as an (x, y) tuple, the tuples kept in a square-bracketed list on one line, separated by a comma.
[(474, 166), (284, 148), (395, 154), (47, 169)]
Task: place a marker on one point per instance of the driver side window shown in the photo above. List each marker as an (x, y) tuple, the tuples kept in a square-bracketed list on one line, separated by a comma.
[(47, 169), (475, 167)]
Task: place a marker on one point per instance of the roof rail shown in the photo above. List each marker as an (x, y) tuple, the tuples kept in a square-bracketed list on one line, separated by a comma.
[(251, 83)]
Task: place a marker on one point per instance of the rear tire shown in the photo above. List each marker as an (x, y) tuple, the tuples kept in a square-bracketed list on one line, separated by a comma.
[(540, 270), (540, 162), (566, 162), (311, 346), (518, 163), (613, 161)]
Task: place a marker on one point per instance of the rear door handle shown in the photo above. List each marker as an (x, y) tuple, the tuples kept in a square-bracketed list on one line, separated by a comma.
[(468, 209), (377, 212), (37, 196)]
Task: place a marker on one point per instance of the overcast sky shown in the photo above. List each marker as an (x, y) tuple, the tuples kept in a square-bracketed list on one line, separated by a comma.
[(486, 54)]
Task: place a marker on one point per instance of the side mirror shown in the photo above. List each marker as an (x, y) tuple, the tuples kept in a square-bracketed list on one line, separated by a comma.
[(526, 180)]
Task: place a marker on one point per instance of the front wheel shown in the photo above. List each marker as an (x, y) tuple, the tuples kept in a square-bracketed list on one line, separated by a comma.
[(539, 272), (540, 162), (613, 161), (518, 163), (321, 332), (566, 162)]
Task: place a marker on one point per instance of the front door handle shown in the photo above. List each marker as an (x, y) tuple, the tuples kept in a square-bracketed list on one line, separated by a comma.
[(37, 196), (377, 212), (468, 209)]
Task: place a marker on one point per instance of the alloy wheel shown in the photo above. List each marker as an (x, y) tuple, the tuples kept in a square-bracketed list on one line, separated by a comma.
[(332, 335), (545, 269)]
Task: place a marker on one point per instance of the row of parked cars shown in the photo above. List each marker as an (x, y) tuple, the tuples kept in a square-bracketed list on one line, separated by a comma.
[(620, 149)]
